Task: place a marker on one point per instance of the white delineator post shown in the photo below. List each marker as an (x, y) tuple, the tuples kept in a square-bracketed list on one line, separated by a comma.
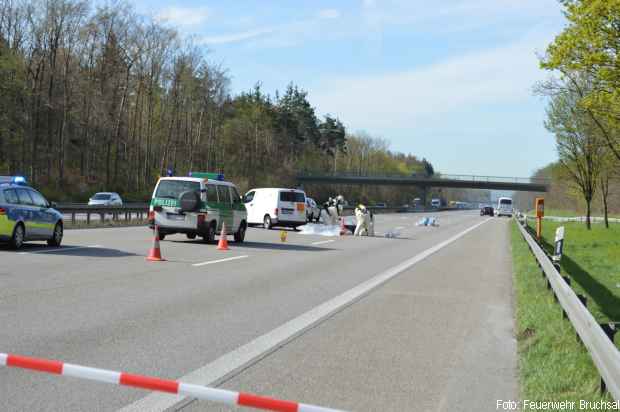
[(156, 384)]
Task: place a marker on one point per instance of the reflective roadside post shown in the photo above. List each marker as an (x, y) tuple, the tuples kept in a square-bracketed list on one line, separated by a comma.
[(540, 213), (559, 244)]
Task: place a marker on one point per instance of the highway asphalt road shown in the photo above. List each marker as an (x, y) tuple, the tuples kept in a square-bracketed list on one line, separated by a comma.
[(437, 335)]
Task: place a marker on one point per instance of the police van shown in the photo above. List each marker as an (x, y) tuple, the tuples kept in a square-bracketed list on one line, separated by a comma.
[(26, 215), (197, 205)]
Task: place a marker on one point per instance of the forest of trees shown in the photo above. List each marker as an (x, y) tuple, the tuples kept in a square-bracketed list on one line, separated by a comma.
[(101, 98)]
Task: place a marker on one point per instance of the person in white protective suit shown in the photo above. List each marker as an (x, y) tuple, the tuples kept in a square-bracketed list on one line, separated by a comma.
[(333, 210), (365, 224)]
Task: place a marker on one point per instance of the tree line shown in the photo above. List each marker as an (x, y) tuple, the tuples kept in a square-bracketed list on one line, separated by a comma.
[(101, 98), (583, 111)]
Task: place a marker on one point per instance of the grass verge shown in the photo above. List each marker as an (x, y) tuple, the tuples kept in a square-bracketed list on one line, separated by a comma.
[(553, 366), (592, 259)]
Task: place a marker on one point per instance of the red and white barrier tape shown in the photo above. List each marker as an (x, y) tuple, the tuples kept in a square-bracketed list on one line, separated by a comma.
[(156, 384)]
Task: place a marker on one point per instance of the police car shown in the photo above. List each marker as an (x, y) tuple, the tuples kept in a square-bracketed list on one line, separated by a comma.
[(26, 215), (197, 205)]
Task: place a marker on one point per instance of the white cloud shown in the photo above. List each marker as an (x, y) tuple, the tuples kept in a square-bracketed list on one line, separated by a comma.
[(499, 76), (236, 37), (184, 16), (449, 15), (329, 14), (369, 3)]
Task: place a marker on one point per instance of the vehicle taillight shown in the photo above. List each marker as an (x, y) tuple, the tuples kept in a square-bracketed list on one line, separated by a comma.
[(275, 212), (151, 215), (201, 219), (2, 211)]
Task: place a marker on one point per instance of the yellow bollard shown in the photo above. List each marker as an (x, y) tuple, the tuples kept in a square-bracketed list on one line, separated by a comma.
[(283, 236)]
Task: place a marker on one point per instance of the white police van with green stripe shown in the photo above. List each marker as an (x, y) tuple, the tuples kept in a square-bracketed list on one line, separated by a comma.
[(197, 205)]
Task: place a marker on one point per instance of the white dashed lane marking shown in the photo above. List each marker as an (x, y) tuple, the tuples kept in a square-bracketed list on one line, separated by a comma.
[(210, 262)]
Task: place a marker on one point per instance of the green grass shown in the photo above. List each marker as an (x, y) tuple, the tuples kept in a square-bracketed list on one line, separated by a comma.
[(592, 259), (553, 366)]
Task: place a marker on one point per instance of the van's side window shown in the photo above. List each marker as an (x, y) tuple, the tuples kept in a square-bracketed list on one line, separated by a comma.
[(211, 193), (222, 192), (249, 197)]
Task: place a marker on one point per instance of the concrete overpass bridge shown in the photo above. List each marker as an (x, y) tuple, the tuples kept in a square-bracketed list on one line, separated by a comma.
[(423, 182)]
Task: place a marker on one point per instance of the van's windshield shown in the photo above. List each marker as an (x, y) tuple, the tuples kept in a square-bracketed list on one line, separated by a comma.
[(505, 202), (292, 197), (172, 189)]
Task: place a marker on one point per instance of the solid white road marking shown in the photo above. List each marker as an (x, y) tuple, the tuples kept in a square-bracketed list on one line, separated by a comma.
[(226, 366), (322, 242), (209, 262), (60, 249), (400, 227)]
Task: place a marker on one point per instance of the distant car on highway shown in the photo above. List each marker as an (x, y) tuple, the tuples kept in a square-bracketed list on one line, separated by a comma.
[(105, 199), (313, 213), (197, 205), (26, 215), (380, 205), (486, 210)]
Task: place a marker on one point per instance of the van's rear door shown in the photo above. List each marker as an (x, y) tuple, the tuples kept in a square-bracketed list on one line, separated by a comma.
[(292, 204)]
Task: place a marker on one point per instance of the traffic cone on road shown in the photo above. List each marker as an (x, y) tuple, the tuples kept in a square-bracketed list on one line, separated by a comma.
[(155, 251), (223, 243)]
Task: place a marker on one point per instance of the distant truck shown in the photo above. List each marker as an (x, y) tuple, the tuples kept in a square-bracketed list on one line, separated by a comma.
[(435, 203)]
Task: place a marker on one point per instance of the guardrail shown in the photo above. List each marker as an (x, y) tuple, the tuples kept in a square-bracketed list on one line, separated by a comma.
[(580, 219), (392, 209), (598, 339), (140, 211), (77, 210)]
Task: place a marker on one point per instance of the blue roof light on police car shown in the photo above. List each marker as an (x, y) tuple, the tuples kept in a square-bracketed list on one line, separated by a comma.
[(18, 180)]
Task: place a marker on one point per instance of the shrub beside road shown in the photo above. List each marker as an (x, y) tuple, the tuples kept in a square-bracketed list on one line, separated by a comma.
[(552, 364)]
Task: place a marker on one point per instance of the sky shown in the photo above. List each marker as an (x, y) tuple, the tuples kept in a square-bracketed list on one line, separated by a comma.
[(448, 80)]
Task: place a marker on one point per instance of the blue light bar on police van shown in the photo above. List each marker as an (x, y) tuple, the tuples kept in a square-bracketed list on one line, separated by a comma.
[(16, 180), (205, 175)]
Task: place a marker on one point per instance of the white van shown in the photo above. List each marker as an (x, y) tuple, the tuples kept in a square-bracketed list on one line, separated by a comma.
[(504, 207), (276, 207), (435, 203)]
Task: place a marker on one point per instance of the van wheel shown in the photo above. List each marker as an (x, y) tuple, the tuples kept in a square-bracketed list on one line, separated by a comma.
[(240, 233), (161, 236), (17, 239), (191, 236), (210, 236), (267, 222), (56, 238)]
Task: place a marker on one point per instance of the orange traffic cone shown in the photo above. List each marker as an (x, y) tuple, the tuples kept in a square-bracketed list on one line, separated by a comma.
[(155, 251), (223, 243)]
